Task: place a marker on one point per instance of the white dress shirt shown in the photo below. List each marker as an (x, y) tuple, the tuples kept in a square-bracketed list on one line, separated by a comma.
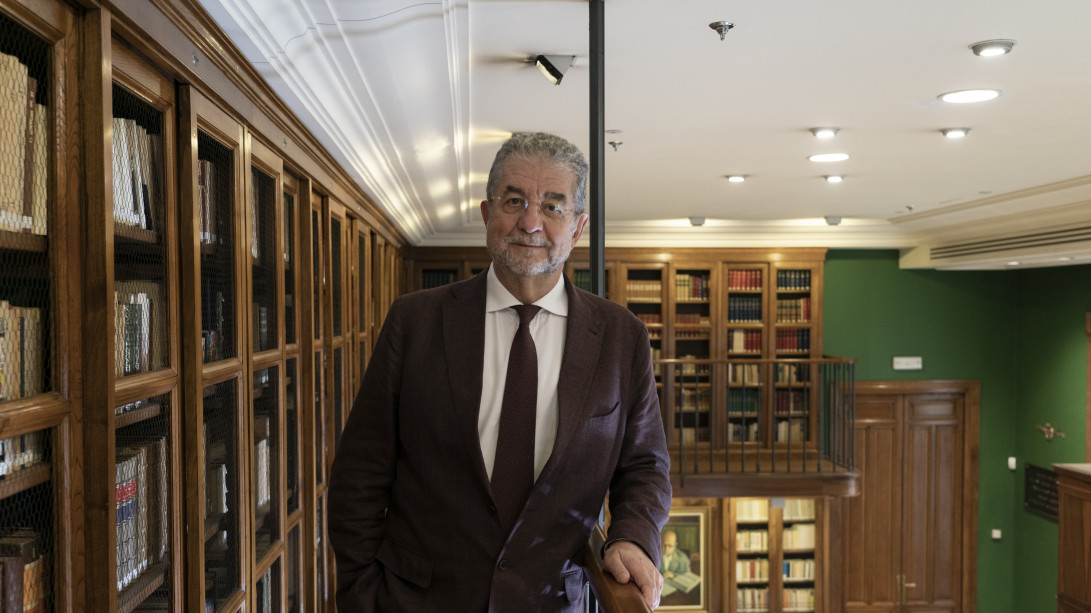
[(548, 330)]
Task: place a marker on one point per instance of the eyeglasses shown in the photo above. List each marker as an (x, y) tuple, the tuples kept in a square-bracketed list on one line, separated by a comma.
[(551, 209)]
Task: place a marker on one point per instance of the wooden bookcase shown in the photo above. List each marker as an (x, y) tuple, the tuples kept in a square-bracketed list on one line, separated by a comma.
[(189, 290), (773, 555), (751, 305)]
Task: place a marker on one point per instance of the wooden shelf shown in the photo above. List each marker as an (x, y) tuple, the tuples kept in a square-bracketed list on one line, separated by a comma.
[(23, 241), (135, 234), (24, 479), (129, 418), (143, 586)]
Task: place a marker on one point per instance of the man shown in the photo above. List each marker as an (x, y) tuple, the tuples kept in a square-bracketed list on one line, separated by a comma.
[(422, 515), (675, 561)]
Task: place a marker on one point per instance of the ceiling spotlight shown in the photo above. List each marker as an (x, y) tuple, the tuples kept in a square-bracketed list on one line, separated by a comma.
[(554, 66), (829, 157), (970, 95), (833, 220), (696, 221), (615, 144), (722, 27), (834, 179), (955, 132), (736, 178), (824, 133), (991, 48)]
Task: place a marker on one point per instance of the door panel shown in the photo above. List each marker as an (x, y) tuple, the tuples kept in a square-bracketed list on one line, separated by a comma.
[(872, 539), (903, 536)]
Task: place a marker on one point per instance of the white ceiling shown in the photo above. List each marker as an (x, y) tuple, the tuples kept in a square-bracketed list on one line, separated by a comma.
[(414, 98)]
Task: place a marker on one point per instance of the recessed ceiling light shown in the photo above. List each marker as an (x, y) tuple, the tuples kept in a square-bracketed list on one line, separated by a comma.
[(1064, 258), (955, 132), (736, 178), (1013, 263), (969, 95), (992, 48), (824, 133), (829, 157), (834, 178)]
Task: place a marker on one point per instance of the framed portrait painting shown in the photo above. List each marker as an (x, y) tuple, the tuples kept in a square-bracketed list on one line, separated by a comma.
[(685, 560)]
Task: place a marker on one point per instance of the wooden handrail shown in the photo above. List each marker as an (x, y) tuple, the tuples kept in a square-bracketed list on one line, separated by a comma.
[(612, 597)]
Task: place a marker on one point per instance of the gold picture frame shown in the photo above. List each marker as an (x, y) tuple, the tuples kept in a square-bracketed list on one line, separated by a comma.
[(686, 560)]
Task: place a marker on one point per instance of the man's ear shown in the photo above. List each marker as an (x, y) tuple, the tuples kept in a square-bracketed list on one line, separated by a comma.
[(580, 223), (485, 211)]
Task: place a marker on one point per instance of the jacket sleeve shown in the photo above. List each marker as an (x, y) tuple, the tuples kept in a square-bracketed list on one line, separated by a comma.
[(640, 489), (363, 472)]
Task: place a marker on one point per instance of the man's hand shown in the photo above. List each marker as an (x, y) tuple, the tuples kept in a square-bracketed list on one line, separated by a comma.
[(627, 561)]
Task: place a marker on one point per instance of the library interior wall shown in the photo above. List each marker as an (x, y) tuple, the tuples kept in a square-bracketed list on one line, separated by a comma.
[(1021, 334)]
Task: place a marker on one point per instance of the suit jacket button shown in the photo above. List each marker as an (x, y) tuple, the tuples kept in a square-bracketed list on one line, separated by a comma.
[(503, 564)]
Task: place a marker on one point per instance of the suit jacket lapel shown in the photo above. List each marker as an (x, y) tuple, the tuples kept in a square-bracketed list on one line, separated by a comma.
[(582, 344), (463, 348)]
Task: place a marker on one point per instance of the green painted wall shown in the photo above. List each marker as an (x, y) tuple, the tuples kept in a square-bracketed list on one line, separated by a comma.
[(1021, 335)]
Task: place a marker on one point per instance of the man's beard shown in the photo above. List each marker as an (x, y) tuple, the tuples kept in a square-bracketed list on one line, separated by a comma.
[(505, 258)]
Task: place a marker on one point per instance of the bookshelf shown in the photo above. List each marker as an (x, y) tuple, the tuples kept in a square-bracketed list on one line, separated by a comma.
[(775, 557), (168, 319), (37, 342)]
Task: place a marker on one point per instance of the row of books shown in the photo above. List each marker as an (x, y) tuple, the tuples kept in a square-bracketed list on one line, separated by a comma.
[(792, 430), (141, 495), (690, 319), (644, 291), (744, 280), (22, 351), (798, 570), (754, 541), (691, 335), (799, 599), (24, 150), (789, 402), (138, 175), (742, 432), (752, 570), (753, 599), (752, 510), (747, 374), (793, 280), (744, 309), (21, 452), (582, 279), (438, 278), (794, 339), (695, 399), (208, 231), (139, 318), (24, 571), (799, 536), (743, 341), (799, 509), (795, 310), (743, 402), (792, 374), (650, 318), (691, 287), (216, 490), (262, 475)]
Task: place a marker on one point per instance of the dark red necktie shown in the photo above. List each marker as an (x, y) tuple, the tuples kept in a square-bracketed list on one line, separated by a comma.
[(513, 467)]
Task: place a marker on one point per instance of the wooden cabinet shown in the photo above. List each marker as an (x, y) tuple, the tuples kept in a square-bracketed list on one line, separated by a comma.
[(773, 549), (1074, 534), (184, 318)]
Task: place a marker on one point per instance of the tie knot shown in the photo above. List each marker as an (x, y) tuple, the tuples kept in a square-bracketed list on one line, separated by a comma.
[(526, 312)]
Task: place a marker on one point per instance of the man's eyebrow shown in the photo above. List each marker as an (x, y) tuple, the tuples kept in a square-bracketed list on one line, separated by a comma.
[(555, 196)]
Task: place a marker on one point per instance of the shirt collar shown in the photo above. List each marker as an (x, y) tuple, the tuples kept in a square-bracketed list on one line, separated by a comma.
[(499, 298)]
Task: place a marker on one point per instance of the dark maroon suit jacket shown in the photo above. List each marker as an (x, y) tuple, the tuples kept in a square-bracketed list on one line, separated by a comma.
[(411, 514)]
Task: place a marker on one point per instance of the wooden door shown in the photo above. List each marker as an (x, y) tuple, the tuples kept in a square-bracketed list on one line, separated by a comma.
[(909, 537)]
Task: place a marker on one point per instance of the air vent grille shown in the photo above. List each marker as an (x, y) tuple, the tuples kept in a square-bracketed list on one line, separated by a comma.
[(1022, 241)]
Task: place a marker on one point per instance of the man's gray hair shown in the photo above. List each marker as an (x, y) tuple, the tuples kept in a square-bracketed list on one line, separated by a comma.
[(550, 147)]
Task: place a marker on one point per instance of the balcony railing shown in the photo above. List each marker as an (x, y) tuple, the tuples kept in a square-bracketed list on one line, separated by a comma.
[(769, 417)]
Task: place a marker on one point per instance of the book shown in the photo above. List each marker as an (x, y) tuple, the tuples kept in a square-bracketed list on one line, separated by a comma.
[(40, 193), (684, 583), (13, 107)]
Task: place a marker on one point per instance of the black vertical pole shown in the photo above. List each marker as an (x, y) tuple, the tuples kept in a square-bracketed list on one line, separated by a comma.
[(596, 188)]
